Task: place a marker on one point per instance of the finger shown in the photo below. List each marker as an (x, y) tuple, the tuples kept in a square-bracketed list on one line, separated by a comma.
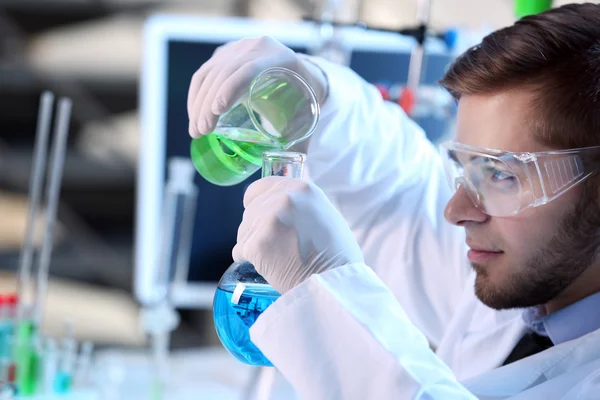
[(196, 83), (192, 130), (261, 209), (223, 47), (198, 78), (244, 233), (265, 202), (244, 236), (203, 121), (232, 45), (235, 86), (210, 118), (237, 253), (262, 186), (269, 186), (193, 92)]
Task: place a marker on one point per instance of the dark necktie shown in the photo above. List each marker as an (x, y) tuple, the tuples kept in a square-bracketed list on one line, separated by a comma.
[(531, 343)]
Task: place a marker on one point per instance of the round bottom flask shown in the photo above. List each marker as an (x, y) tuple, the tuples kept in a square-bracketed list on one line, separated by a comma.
[(242, 294)]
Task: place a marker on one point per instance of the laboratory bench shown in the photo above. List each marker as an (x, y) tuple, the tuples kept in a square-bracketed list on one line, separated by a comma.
[(195, 374)]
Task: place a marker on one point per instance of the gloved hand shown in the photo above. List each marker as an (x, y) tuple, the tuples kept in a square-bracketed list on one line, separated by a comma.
[(220, 82), (290, 230)]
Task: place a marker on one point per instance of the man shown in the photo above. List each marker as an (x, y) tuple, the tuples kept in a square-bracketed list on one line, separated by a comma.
[(521, 321)]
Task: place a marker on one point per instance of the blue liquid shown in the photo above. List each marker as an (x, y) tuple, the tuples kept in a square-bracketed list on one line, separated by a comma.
[(233, 321), (6, 335), (62, 383)]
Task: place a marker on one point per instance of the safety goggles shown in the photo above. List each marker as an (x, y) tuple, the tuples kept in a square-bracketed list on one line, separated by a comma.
[(503, 183)]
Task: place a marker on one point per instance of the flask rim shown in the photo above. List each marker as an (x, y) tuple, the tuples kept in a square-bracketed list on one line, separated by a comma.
[(284, 156), (313, 100)]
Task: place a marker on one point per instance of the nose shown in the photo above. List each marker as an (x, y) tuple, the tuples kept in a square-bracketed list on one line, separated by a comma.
[(460, 209)]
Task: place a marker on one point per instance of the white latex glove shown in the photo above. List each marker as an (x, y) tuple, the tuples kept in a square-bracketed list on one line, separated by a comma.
[(290, 231), (221, 81)]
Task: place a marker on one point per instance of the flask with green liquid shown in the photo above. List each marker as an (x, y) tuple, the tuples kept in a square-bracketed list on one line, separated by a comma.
[(279, 110)]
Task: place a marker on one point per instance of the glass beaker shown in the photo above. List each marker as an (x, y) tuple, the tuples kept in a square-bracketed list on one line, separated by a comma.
[(242, 294), (279, 110)]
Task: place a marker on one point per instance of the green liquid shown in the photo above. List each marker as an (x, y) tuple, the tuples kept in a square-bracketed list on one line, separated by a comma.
[(228, 156), (27, 359)]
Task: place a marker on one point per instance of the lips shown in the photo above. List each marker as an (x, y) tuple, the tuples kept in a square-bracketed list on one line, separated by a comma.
[(480, 247), (480, 254), (480, 257)]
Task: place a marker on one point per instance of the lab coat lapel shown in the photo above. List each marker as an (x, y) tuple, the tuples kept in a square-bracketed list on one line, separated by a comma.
[(531, 371)]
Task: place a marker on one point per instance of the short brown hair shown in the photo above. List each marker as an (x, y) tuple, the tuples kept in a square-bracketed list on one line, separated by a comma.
[(557, 55)]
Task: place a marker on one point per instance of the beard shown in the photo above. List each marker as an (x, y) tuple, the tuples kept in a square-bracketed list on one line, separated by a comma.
[(554, 266)]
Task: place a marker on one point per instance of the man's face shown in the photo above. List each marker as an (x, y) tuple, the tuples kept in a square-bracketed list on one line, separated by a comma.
[(529, 258)]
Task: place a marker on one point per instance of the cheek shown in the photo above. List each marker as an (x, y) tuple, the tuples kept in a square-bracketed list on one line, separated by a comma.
[(525, 233)]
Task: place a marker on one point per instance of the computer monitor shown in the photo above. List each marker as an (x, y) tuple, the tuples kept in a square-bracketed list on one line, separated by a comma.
[(174, 48)]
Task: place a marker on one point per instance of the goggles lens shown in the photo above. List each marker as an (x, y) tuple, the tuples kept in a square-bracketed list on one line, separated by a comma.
[(490, 182), (502, 183)]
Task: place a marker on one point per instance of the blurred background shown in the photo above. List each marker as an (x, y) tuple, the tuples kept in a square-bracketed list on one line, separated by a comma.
[(91, 51)]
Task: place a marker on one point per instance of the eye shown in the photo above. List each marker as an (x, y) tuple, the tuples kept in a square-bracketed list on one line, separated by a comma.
[(502, 177)]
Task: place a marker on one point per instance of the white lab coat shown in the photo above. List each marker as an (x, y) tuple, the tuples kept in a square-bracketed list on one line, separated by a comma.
[(352, 333)]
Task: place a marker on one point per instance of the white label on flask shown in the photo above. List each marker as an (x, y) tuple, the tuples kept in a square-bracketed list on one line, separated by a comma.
[(237, 293)]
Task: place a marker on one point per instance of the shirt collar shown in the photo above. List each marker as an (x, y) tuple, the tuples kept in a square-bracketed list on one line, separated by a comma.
[(571, 322)]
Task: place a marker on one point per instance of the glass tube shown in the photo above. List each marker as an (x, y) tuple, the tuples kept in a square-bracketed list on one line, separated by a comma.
[(283, 163)]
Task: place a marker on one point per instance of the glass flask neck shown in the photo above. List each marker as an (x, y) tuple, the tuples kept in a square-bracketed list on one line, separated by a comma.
[(283, 163)]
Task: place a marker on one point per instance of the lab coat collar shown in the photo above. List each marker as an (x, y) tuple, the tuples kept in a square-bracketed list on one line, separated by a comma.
[(521, 375)]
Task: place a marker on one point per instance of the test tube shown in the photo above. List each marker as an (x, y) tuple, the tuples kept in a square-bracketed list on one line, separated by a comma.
[(13, 302), (59, 147), (11, 370), (177, 225), (24, 358), (26, 354), (67, 356), (4, 322), (8, 310), (35, 191), (84, 362), (50, 365), (4, 341)]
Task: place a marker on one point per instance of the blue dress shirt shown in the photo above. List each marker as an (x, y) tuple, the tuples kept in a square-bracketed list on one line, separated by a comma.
[(571, 322)]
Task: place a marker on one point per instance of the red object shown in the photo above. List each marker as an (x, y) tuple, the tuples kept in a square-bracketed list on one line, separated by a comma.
[(12, 373), (12, 299), (385, 92), (407, 101)]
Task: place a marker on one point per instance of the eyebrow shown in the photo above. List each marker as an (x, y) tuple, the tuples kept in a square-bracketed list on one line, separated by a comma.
[(486, 160), (452, 155)]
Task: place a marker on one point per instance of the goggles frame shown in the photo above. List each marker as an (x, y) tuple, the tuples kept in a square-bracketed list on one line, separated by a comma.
[(542, 176)]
